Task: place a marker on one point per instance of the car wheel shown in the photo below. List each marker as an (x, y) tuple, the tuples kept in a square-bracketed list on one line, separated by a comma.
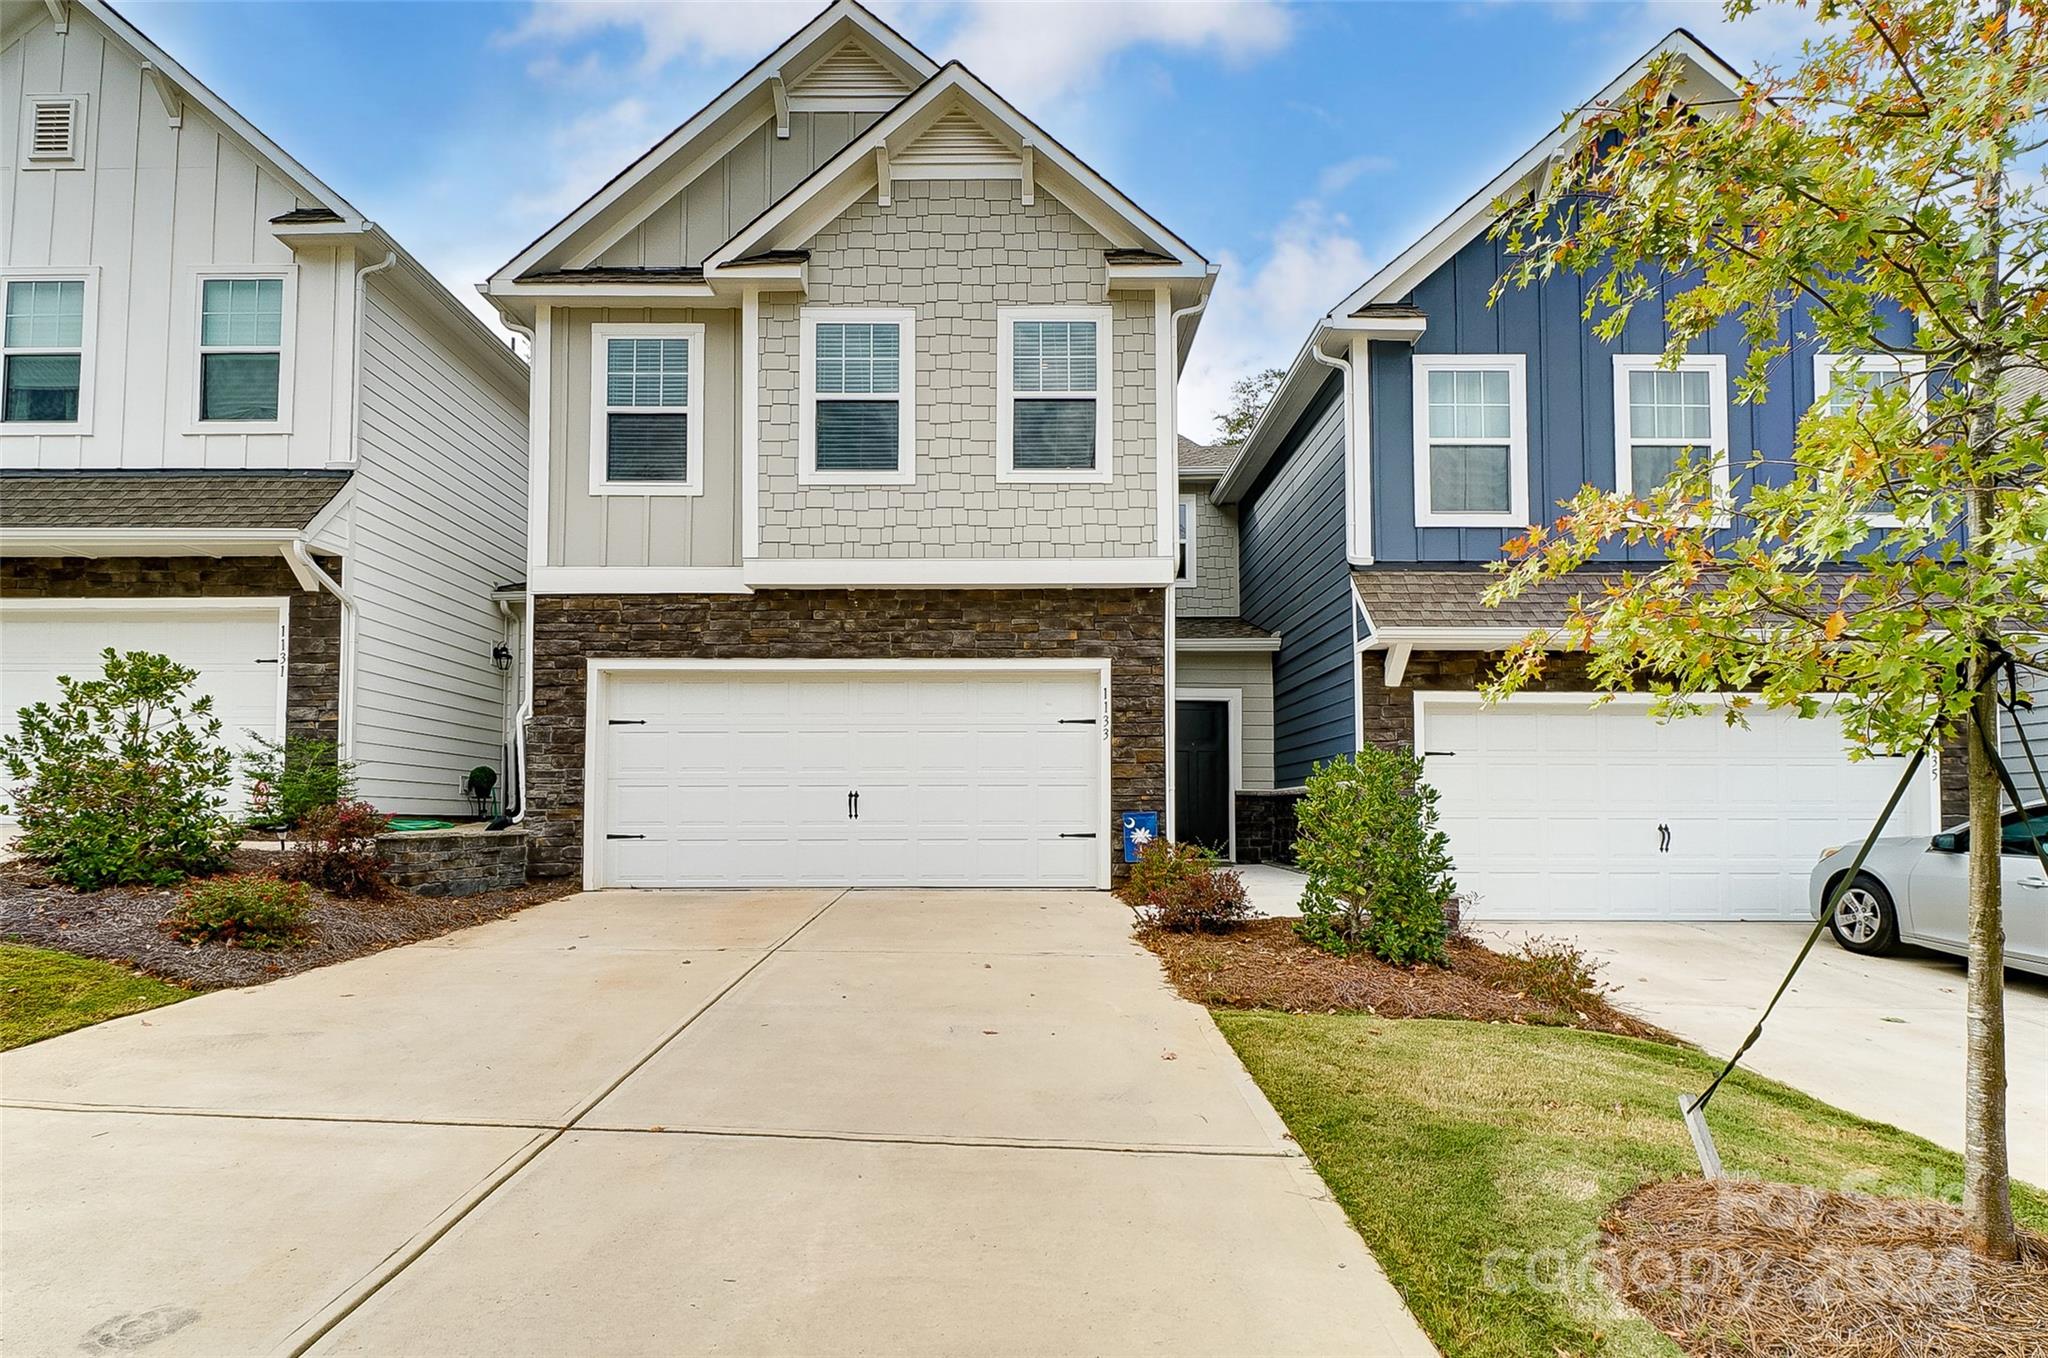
[(1865, 920)]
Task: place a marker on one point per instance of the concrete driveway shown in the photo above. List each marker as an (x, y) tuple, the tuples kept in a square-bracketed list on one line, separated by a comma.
[(1879, 1036), (787, 1122)]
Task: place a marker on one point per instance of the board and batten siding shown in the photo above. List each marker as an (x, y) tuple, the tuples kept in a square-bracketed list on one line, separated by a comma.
[(1297, 582), (153, 207), (1251, 674), (1570, 396), (702, 215), (438, 521), (643, 530), (1214, 593)]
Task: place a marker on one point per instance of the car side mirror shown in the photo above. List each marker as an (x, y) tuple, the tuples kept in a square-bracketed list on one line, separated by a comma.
[(1947, 844)]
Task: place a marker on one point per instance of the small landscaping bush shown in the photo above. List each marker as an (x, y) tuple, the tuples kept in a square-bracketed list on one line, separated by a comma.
[(242, 911), (1557, 972), (1378, 866), (124, 779), (1182, 889), (290, 779), (336, 850)]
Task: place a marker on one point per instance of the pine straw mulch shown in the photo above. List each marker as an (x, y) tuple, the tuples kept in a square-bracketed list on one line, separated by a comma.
[(1266, 965), (123, 924), (1734, 1269)]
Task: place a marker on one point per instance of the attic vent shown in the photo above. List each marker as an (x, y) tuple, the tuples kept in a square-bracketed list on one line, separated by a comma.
[(55, 131), (955, 142), (849, 72)]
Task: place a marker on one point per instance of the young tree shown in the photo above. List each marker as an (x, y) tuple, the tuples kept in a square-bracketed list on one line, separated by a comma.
[(1895, 168), (1248, 396)]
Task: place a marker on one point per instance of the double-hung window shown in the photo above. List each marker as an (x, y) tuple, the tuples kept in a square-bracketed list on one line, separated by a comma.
[(1665, 415), (1052, 408), (647, 430), (1471, 441), (1184, 542), (242, 325), (45, 353), (859, 409), (1843, 381)]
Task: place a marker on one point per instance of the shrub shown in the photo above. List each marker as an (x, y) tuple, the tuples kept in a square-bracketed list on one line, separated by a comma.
[(1181, 888), (1557, 972), (336, 850), (242, 911), (124, 779), (1379, 869), (289, 779)]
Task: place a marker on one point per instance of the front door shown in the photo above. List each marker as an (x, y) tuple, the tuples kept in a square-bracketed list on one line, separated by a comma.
[(1202, 774)]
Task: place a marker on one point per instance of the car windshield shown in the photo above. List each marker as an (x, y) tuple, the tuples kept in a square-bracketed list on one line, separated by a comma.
[(2021, 831)]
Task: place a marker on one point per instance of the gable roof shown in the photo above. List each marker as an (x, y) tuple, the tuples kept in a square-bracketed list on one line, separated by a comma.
[(742, 104), (955, 89), (282, 500), (1378, 307)]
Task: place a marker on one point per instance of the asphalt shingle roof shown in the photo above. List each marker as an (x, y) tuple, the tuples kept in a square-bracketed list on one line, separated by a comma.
[(1205, 457), (1421, 596), (1218, 629), (165, 499)]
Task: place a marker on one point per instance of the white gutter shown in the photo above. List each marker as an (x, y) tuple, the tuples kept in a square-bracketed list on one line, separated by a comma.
[(355, 409), (1170, 494), (1357, 495)]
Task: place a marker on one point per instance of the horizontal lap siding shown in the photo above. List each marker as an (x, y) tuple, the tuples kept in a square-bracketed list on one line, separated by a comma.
[(1296, 581), (440, 520)]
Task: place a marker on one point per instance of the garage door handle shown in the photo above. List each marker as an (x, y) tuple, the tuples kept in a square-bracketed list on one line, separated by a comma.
[(625, 836), (1077, 834), (266, 660), (1077, 721), (628, 721)]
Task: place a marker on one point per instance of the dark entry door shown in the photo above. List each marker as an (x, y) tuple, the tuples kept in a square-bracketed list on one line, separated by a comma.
[(1202, 773)]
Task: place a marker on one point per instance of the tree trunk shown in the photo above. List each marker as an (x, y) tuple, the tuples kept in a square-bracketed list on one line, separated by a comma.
[(1987, 1184)]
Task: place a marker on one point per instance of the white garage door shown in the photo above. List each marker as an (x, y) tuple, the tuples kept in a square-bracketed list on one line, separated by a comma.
[(1555, 811), (861, 777), (237, 649)]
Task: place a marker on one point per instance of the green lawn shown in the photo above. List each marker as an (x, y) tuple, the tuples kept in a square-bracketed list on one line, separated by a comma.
[(1448, 1142), (44, 993)]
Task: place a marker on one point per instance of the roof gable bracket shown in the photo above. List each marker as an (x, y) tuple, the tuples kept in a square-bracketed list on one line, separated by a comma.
[(780, 90), (60, 15), (1030, 173), (882, 175), (167, 92)]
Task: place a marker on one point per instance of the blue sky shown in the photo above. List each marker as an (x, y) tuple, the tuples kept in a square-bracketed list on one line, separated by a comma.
[(1299, 145)]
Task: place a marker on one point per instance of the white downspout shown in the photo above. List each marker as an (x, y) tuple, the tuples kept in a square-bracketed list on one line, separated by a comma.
[(525, 712), (355, 410), (1343, 366), (1173, 321)]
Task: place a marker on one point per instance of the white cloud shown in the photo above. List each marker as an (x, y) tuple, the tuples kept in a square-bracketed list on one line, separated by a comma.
[(585, 152), (703, 33), (1336, 178), (1040, 51), (1261, 313)]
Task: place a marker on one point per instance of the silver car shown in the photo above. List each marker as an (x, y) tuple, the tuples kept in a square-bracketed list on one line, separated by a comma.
[(1915, 889)]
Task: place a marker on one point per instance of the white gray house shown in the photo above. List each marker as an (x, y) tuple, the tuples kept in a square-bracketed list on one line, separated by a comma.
[(854, 499), (242, 426)]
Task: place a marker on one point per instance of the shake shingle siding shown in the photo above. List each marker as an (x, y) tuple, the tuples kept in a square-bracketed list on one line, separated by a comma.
[(1296, 581)]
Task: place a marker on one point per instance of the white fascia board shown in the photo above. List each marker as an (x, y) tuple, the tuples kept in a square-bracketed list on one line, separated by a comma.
[(1226, 643), (1487, 637), (957, 573), (1305, 377), (750, 84), (855, 165), (605, 294), (91, 542), (234, 124), (1471, 217)]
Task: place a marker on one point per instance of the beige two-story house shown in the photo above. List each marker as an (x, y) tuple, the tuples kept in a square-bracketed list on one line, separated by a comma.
[(853, 496)]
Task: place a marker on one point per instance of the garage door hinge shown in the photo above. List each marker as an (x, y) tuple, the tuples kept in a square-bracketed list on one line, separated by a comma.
[(627, 721), (1077, 834), (1077, 721), (625, 836)]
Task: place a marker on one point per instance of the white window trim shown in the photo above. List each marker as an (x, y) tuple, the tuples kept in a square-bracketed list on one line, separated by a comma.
[(1716, 367), (287, 347), (1192, 547), (807, 472), (90, 276), (693, 436), (1516, 367), (1006, 394), (1913, 366)]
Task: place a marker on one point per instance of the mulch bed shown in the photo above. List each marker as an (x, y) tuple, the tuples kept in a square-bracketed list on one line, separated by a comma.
[(1265, 965), (1739, 1268), (123, 924)]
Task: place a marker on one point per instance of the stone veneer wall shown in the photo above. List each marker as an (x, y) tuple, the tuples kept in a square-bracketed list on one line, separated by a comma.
[(454, 862), (953, 251), (1266, 827), (313, 671), (1125, 626), (1389, 713)]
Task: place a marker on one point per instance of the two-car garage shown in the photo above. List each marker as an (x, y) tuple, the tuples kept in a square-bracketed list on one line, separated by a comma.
[(885, 773)]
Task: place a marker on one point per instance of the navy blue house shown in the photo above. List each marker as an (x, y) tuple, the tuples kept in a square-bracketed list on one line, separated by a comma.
[(1420, 429)]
